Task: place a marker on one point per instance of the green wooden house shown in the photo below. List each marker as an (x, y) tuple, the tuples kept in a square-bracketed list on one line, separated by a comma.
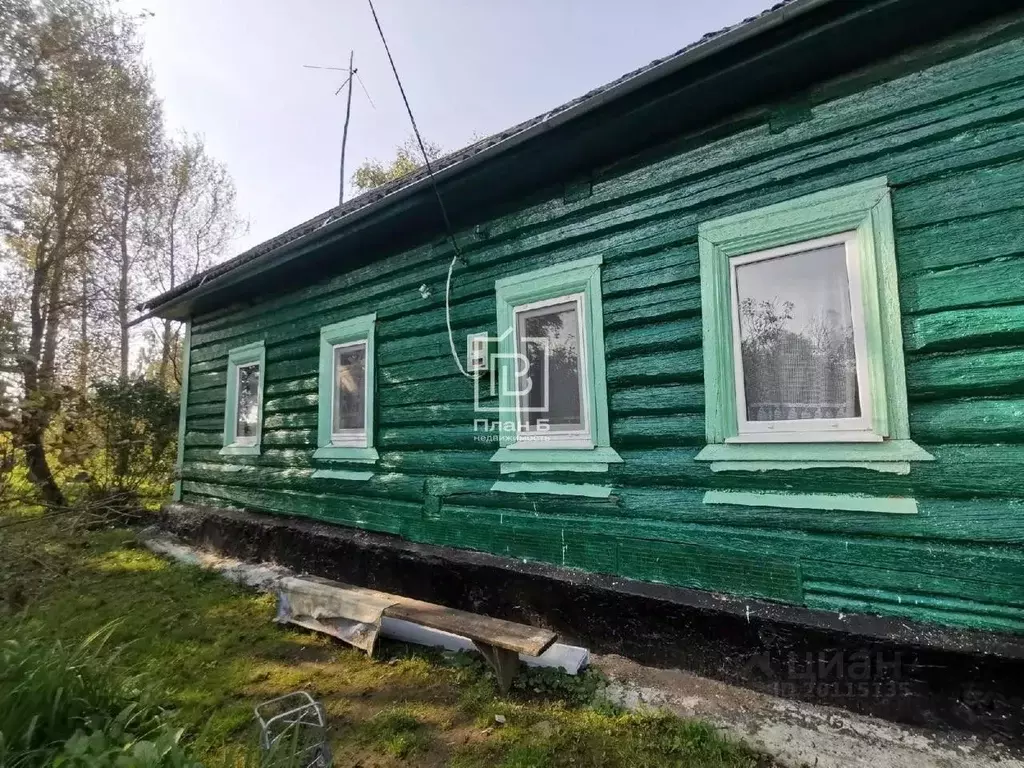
[(740, 332)]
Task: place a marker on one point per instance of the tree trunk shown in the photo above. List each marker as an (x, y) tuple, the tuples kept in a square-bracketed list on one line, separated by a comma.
[(38, 365), (165, 347), (122, 286), (165, 353), (83, 335), (39, 472)]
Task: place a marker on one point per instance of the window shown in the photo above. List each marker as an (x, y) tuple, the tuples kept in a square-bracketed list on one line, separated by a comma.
[(348, 417), (247, 411), (798, 324), (243, 417), (552, 396), (552, 384), (345, 424), (803, 351)]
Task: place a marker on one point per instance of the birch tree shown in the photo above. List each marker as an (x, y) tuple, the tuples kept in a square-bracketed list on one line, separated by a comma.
[(197, 224)]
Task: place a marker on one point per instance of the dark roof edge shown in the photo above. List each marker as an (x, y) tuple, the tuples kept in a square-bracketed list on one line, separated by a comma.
[(227, 275)]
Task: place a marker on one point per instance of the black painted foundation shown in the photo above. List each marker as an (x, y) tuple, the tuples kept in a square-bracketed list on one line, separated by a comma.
[(913, 673)]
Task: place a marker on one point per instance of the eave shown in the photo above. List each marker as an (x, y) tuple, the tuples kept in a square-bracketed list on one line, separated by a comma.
[(800, 44)]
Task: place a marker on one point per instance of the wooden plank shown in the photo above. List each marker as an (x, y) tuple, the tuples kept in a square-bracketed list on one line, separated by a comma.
[(509, 635), (371, 603)]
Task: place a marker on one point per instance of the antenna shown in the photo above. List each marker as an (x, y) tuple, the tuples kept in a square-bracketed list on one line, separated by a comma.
[(353, 74)]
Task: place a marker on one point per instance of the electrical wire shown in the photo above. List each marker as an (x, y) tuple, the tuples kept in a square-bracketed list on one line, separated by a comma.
[(363, 86), (437, 193)]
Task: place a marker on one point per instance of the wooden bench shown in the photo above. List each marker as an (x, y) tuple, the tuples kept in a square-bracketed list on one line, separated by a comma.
[(499, 641)]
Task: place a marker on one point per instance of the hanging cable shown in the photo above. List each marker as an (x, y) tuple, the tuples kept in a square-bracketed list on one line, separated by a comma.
[(437, 193)]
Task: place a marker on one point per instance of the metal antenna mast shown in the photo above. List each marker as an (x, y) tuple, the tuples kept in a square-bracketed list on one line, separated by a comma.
[(353, 74)]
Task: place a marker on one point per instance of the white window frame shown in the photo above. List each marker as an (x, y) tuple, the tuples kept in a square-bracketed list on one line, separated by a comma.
[(349, 438), (855, 429), (237, 439), (553, 437)]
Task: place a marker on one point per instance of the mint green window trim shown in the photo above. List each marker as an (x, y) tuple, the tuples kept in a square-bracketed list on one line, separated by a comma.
[(238, 357), (356, 329), (582, 276), (892, 505), (544, 487), (179, 463), (866, 209)]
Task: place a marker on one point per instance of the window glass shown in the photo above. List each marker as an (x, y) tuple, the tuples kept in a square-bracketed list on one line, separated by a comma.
[(551, 387), (349, 388), (248, 401), (796, 330)]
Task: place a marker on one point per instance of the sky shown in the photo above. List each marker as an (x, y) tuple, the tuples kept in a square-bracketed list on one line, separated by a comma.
[(232, 71)]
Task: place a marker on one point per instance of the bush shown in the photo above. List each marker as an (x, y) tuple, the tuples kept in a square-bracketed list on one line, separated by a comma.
[(118, 443)]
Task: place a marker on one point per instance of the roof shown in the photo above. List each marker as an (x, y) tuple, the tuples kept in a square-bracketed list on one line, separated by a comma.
[(447, 161), (758, 61)]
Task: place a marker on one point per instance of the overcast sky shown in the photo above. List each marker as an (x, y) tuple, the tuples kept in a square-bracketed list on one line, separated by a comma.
[(232, 71)]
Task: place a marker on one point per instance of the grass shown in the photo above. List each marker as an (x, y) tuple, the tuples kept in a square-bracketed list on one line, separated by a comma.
[(211, 651)]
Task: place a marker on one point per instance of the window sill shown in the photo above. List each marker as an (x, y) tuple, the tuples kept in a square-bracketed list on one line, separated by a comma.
[(553, 489), (890, 456), (236, 449), (346, 453), (555, 459), (341, 474), (828, 502), (861, 436)]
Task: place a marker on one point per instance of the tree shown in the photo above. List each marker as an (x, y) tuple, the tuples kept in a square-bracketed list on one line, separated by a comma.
[(64, 117), (408, 158), (196, 223), (132, 196)]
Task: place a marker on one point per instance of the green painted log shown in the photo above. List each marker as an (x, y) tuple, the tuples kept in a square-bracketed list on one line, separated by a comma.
[(657, 367), (668, 335), (963, 329), (453, 389), (971, 420), (654, 431), (416, 438), (997, 372), (967, 520), (956, 593), (959, 471), (303, 419), (972, 619), (672, 398), (977, 285), (667, 266), (653, 305), (420, 415), (942, 245)]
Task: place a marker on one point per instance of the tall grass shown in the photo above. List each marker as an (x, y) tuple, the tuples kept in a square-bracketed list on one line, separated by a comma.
[(50, 690)]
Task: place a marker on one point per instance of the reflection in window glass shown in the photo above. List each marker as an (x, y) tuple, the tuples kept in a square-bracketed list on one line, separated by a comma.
[(247, 408), (349, 388), (551, 387), (797, 337)]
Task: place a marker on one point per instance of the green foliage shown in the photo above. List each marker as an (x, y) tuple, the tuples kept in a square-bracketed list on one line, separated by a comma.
[(114, 747), (119, 440), (549, 683), (408, 158), (52, 692)]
